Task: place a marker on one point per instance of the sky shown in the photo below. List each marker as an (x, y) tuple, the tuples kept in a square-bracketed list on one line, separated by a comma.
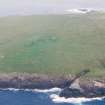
[(24, 7)]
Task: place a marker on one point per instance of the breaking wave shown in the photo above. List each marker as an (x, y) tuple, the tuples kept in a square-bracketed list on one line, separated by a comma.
[(56, 99), (48, 90), (10, 89), (35, 90)]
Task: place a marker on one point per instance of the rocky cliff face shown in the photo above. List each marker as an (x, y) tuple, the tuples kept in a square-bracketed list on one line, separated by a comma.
[(81, 88), (31, 81)]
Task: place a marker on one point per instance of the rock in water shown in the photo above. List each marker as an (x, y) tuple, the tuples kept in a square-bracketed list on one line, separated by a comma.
[(69, 92)]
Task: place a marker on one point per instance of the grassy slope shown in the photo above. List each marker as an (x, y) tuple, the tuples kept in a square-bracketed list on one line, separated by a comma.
[(52, 44)]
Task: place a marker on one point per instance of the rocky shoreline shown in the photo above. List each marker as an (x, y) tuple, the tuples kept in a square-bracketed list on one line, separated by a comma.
[(31, 81), (89, 87)]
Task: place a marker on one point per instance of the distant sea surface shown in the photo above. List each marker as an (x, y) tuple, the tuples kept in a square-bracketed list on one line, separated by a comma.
[(38, 97)]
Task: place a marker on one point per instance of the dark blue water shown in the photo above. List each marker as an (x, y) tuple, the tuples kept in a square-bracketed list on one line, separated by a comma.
[(34, 98)]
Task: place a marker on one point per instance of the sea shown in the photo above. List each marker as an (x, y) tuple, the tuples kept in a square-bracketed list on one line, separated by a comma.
[(43, 97)]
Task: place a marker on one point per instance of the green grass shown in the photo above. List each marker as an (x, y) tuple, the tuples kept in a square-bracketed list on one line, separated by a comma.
[(53, 43)]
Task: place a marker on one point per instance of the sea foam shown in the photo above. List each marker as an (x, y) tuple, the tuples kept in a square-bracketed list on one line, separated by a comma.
[(56, 99), (52, 90), (48, 90), (10, 89)]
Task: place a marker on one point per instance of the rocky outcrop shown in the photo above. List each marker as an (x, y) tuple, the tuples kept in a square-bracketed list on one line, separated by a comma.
[(88, 89)]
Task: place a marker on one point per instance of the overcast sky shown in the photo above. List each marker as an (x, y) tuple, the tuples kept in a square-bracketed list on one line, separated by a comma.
[(15, 7)]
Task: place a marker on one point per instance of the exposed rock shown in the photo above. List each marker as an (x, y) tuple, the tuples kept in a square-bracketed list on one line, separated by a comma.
[(31, 81), (84, 88)]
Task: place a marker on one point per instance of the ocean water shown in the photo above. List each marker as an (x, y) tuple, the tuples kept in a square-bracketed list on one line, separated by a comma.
[(45, 97)]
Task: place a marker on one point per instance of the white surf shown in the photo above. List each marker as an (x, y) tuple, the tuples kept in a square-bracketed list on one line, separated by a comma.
[(56, 99), (48, 90), (52, 90)]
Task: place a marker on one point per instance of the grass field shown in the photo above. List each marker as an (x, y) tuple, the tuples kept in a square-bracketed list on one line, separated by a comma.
[(53, 43)]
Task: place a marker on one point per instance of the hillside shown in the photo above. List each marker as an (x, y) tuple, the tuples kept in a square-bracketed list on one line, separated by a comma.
[(53, 43)]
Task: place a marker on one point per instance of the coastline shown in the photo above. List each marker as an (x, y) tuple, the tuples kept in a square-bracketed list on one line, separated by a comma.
[(41, 81), (26, 81), (31, 81)]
